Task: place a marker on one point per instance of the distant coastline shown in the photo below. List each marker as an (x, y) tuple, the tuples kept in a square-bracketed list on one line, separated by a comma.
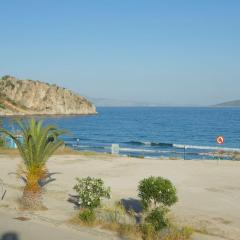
[(108, 102), (235, 103)]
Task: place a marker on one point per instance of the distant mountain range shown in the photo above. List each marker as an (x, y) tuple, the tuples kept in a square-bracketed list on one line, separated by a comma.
[(235, 103), (107, 102)]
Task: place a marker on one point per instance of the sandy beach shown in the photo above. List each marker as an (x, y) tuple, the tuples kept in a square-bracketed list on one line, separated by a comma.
[(208, 191)]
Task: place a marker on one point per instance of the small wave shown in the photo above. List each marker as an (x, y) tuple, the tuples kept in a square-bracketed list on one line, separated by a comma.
[(75, 139), (150, 143), (135, 143), (136, 150), (162, 144), (144, 150), (158, 150), (87, 147), (206, 148)]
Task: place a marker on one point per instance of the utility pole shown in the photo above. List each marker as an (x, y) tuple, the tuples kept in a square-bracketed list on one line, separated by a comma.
[(184, 153)]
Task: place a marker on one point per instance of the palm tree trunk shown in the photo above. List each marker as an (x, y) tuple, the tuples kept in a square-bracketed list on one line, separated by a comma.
[(32, 199)]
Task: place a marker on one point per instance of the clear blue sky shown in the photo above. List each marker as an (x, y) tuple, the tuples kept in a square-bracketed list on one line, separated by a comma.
[(169, 52)]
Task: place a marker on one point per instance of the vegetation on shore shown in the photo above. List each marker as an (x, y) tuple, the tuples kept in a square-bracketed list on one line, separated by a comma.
[(151, 223), (37, 146), (64, 150)]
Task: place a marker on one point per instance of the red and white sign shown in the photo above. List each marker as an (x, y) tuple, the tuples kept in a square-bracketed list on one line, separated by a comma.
[(220, 139)]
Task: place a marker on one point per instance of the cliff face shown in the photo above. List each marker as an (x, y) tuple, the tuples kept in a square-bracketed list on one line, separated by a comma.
[(25, 97)]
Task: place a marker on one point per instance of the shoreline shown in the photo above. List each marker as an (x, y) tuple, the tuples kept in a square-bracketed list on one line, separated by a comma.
[(66, 150), (48, 114)]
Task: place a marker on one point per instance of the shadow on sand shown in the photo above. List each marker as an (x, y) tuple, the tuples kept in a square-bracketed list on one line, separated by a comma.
[(132, 204), (9, 236)]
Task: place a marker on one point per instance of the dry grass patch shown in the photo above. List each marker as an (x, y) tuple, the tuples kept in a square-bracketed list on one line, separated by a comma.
[(61, 151), (130, 231), (9, 151)]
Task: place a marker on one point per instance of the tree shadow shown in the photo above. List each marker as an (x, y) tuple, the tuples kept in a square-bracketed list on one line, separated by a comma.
[(133, 205), (9, 236), (74, 199)]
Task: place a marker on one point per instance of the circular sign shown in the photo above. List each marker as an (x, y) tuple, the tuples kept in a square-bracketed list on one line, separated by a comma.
[(220, 139)]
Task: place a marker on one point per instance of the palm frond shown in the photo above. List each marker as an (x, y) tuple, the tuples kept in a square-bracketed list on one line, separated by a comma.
[(39, 142)]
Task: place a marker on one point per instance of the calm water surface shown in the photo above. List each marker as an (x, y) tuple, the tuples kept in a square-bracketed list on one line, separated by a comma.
[(153, 132)]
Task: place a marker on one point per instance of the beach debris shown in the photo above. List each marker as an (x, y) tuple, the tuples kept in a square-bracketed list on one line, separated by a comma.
[(22, 218), (3, 191), (3, 194)]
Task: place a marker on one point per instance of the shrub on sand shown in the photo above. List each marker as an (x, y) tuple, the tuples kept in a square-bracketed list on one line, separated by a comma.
[(2, 142), (87, 215), (157, 218), (156, 191), (156, 195), (90, 192)]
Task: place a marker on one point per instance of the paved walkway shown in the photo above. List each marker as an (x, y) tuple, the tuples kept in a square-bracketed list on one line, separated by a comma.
[(13, 229)]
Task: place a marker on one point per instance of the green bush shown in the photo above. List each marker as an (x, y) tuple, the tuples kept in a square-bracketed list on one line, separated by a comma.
[(90, 192), (2, 142), (157, 218), (156, 191), (2, 105), (87, 216)]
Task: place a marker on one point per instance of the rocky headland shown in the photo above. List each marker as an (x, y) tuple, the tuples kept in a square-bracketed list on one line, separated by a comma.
[(28, 97)]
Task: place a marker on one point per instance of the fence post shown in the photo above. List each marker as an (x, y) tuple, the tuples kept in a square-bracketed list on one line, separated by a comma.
[(184, 156)]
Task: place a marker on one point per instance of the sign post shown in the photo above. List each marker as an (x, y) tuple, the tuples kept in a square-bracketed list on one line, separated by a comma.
[(220, 141), (115, 149)]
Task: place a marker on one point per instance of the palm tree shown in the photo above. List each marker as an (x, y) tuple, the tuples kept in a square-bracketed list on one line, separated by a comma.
[(37, 146)]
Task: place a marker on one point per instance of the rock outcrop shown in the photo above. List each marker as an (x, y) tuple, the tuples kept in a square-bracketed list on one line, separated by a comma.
[(27, 97)]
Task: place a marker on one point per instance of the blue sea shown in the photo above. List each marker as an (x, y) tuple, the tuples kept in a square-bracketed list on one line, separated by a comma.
[(183, 132)]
